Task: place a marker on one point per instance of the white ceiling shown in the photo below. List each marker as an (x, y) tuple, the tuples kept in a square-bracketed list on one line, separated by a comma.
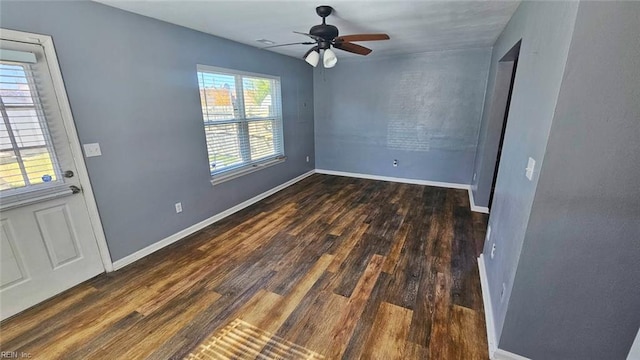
[(414, 26)]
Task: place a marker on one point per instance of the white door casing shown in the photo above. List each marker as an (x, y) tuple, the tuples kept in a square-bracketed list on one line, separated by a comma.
[(53, 242)]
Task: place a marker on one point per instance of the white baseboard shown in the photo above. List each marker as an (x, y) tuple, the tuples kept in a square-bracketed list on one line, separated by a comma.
[(494, 352), (488, 308), (474, 207), (204, 223), (395, 179)]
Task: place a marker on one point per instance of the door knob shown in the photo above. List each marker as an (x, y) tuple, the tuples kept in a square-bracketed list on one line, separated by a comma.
[(68, 174), (74, 189)]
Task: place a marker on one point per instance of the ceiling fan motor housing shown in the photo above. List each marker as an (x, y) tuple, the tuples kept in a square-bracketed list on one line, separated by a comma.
[(326, 32)]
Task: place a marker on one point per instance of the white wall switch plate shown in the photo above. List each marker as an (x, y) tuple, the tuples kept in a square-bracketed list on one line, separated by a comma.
[(307, 158), (178, 208), (531, 165), (91, 150)]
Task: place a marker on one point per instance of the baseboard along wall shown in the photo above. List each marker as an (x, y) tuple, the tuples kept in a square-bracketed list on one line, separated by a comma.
[(473, 206), (394, 179), (494, 352)]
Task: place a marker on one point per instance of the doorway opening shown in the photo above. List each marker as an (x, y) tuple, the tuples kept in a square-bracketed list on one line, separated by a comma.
[(505, 79)]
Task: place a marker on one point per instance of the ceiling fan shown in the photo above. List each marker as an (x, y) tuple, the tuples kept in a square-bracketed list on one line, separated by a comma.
[(326, 36)]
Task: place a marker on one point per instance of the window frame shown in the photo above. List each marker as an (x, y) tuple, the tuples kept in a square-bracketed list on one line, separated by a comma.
[(240, 118), (29, 189)]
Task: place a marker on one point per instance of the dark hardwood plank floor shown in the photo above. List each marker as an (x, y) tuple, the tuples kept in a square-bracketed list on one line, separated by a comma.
[(329, 268)]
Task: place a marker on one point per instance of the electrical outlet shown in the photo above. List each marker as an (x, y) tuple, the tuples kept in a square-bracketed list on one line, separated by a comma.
[(178, 207), (493, 250), (504, 291), (307, 158), (474, 176), (395, 163), (488, 236)]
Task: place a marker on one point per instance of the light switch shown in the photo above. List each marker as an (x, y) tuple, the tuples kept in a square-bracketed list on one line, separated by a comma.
[(531, 165), (91, 150)]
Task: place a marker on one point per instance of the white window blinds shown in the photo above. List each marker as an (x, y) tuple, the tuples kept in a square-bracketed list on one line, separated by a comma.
[(242, 116), (27, 157)]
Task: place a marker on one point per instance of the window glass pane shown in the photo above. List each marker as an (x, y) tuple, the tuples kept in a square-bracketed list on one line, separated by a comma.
[(261, 139), (38, 164), (10, 174), (223, 145), (27, 152), (242, 118), (26, 127), (217, 96), (14, 87), (5, 141), (257, 97)]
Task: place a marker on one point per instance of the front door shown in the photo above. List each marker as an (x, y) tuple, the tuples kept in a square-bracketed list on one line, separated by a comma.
[(47, 241)]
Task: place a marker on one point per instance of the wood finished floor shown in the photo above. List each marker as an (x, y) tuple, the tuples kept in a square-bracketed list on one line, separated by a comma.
[(331, 267)]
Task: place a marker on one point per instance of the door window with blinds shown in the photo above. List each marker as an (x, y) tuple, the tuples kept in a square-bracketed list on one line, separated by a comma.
[(242, 115), (27, 157)]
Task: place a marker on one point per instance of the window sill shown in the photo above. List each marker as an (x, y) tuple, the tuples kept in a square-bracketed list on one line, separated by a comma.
[(219, 179)]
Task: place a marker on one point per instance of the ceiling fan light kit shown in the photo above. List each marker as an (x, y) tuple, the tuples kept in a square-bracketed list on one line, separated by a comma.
[(326, 36), (329, 59), (312, 57)]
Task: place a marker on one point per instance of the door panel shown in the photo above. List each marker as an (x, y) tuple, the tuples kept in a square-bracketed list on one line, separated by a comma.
[(58, 234), (48, 242), (59, 251), (11, 264)]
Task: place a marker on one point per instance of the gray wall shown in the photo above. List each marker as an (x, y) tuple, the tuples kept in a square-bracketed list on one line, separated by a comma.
[(545, 29), (421, 109), (577, 287), (132, 86)]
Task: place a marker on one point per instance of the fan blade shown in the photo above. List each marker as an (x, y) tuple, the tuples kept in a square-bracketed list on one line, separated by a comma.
[(317, 38), (362, 37), (352, 48), (298, 43)]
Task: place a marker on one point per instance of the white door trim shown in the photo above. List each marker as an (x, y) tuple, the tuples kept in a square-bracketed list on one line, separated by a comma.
[(70, 128)]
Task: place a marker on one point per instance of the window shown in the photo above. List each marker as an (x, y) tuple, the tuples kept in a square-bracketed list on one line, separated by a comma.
[(27, 157), (242, 115)]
